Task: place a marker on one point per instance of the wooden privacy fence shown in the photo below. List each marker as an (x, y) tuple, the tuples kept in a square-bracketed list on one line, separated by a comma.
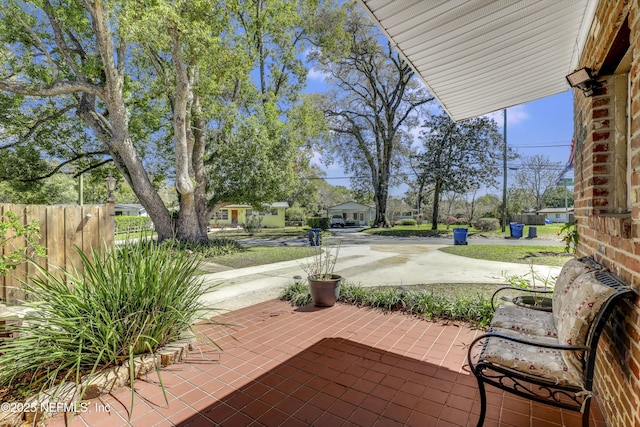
[(528, 219), (62, 229)]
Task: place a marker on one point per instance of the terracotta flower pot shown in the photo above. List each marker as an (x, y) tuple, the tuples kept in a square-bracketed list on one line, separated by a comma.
[(326, 290)]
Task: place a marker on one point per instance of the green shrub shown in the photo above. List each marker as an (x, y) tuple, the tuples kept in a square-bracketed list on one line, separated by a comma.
[(318, 222), (486, 224), (408, 221), (530, 280), (129, 301), (127, 224), (295, 213), (474, 308), (298, 294), (12, 229), (570, 238), (253, 224)]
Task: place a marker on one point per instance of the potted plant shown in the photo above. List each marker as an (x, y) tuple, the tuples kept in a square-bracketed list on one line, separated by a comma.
[(538, 300), (324, 285)]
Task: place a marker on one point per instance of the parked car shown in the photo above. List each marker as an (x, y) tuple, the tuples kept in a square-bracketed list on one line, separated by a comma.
[(337, 221)]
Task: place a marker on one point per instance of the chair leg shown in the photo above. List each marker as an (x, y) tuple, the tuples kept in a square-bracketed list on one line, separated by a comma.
[(586, 410), (483, 402)]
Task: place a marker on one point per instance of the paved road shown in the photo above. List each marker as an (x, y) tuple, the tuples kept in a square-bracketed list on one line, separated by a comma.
[(370, 261), (353, 236)]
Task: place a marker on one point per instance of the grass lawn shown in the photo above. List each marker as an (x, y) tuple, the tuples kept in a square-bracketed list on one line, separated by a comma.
[(261, 255), (538, 255)]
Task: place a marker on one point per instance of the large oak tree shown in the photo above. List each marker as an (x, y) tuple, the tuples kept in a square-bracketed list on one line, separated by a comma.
[(164, 88), (457, 156), (376, 102)]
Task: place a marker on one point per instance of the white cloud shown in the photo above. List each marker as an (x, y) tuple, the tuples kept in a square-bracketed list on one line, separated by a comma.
[(318, 160), (515, 115), (315, 74)]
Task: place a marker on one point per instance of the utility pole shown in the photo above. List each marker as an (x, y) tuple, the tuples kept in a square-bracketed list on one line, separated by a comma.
[(80, 190), (504, 171)]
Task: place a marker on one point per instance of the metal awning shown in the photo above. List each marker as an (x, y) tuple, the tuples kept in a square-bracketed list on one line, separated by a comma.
[(479, 56)]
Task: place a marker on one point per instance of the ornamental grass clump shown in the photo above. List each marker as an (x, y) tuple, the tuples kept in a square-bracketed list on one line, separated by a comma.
[(471, 307), (114, 306)]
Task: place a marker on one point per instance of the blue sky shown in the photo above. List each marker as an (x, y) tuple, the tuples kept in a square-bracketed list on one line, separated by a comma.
[(542, 127)]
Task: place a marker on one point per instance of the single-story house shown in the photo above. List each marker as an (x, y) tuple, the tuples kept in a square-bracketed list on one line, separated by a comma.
[(130, 210), (554, 215), (270, 216), (481, 56), (353, 213)]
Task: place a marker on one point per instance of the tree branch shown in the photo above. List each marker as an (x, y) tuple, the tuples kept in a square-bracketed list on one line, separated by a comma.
[(38, 42), (56, 169), (93, 166), (57, 88), (60, 43)]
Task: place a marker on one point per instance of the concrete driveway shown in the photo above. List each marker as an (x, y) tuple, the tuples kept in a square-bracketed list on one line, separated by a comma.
[(370, 262)]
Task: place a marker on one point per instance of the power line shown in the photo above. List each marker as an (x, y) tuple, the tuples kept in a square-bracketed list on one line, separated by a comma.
[(512, 167), (541, 146)]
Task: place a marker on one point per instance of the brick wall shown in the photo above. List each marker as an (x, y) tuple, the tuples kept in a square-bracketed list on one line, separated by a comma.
[(609, 231)]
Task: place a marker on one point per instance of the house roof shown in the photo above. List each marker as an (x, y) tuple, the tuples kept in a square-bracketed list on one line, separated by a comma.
[(236, 207), (128, 207), (480, 56), (349, 206), (280, 205), (240, 206)]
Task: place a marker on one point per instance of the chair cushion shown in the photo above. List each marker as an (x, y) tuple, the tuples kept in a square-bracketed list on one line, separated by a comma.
[(530, 359), (585, 296), (526, 320), (570, 271)]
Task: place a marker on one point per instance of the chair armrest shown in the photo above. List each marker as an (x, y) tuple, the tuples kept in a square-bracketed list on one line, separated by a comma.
[(528, 342)]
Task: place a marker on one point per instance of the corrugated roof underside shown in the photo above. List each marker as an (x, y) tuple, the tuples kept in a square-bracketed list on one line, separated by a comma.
[(479, 56)]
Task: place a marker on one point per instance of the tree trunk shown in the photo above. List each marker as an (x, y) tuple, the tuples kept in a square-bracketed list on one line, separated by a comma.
[(144, 190), (419, 201), (436, 204), (380, 180), (115, 131), (473, 207), (381, 211), (188, 226), (200, 176)]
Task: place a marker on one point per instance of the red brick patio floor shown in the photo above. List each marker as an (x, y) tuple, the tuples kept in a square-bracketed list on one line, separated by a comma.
[(337, 366)]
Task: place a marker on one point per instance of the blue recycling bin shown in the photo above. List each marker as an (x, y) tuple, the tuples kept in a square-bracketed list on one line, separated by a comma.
[(516, 229), (460, 236), (314, 236)]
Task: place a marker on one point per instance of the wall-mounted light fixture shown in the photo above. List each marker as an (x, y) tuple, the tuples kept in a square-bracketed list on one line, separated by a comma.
[(584, 80)]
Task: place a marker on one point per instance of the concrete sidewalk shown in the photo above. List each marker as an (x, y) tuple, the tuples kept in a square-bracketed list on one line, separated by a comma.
[(367, 265)]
